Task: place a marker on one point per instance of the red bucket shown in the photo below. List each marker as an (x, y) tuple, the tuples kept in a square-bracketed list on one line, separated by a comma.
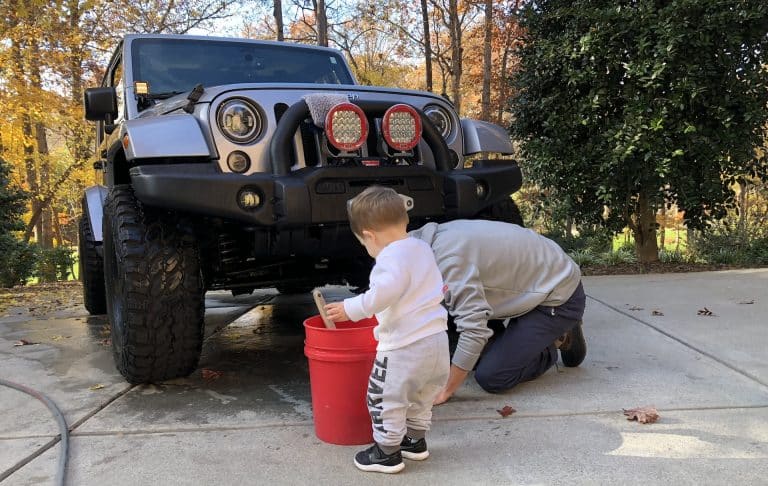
[(340, 362)]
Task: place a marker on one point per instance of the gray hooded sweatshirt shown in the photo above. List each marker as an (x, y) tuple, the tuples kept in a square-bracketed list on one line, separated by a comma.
[(495, 270)]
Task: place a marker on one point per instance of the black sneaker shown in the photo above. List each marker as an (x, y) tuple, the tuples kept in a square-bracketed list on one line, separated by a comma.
[(573, 349), (415, 450), (373, 459)]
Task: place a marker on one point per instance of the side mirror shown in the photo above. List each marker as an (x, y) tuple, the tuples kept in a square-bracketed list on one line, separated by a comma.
[(100, 104)]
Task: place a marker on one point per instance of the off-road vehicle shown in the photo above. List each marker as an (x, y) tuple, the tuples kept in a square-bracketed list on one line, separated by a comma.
[(227, 164)]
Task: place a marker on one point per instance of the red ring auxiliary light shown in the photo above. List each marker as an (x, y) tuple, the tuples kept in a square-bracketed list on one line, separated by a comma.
[(346, 126), (401, 127)]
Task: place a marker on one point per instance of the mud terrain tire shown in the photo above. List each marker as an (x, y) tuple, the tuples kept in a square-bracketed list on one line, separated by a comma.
[(154, 291), (91, 270)]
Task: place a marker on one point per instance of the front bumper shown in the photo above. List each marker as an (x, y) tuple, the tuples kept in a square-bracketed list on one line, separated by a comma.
[(318, 195)]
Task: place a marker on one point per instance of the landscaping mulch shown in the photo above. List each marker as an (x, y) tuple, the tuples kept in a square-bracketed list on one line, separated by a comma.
[(41, 299), (643, 268)]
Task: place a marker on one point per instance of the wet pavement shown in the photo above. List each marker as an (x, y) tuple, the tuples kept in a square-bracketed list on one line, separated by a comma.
[(244, 416)]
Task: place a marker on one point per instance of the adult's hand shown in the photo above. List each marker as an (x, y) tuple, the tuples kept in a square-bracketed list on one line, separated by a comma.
[(455, 378)]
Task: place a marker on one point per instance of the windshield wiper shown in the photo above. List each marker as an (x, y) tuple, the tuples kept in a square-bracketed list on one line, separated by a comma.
[(162, 96)]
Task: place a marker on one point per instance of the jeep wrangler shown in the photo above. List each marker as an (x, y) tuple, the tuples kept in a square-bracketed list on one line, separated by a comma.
[(227, 164)]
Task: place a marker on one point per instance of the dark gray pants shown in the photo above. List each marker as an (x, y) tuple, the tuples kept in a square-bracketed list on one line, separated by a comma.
[(525, 349)]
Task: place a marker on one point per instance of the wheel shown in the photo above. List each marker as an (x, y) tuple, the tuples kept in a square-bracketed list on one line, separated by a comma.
[(154, 291), (506, 211), (91, 269)]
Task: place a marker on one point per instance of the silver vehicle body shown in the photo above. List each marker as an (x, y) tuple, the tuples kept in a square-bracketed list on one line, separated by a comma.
[(166, 130)]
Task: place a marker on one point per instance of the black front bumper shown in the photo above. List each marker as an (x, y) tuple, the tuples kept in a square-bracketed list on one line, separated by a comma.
[(318, 195)]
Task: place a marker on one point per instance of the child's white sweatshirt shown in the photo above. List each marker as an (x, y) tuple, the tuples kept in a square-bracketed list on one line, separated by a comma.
[(405, 294)]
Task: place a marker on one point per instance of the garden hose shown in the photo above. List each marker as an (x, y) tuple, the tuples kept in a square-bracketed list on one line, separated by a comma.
[(59, 419)]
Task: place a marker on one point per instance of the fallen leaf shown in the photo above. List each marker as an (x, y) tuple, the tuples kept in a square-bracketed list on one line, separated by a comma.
[(747, 301), (210, 375), (656, 312), (106, 342), (57, 338), (506, 411), (635, 308), (96, 387), (705, 312), (24, 342), (644, 415)]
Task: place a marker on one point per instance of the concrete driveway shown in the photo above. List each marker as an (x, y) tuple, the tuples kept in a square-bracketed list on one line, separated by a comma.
[(649, 344)]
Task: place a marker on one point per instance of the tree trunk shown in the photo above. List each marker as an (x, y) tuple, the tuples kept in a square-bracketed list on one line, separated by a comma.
[(427, 44), (742, 205), (486, 96), (322, 23), (663, 226), (690, 238), (30, 164), (45, 238), (57, 233), (644, 230), (456, 52), (504, 83), (278, 13)]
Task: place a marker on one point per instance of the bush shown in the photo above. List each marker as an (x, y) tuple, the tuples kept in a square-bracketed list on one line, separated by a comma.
[(55, 264), (593, 240), (758, 251), (619, 256), (584, 257), (673, 256), (17, 261), (730, 248)]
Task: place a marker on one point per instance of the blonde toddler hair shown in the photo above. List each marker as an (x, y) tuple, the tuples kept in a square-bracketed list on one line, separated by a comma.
[(376, 208)]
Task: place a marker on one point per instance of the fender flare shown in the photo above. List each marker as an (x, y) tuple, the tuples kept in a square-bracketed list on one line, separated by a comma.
[(93, 209), (480, 136), (164, 136)]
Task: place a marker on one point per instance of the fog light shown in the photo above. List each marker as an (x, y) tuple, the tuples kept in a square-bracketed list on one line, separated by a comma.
[(480, 189), (238, 162), (248, 199)]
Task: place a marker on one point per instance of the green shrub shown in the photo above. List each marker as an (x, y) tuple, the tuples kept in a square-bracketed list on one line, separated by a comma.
[(592, 240), (618, 257), (673, 256), (17, 261), (626, 247), (722, 245), (55, 264), (584, 257)]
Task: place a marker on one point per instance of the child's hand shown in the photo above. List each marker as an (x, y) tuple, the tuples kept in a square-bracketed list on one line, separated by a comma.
[(336, 312)]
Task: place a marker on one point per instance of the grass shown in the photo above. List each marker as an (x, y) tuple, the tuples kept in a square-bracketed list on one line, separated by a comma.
[(674, 239)]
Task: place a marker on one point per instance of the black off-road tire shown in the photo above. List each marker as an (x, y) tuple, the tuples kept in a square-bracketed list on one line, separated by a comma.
[(91, 270), (154, 291), (506, 211)]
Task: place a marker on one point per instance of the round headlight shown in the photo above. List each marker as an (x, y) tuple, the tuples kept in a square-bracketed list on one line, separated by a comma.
[(441, 118), (239, 120)]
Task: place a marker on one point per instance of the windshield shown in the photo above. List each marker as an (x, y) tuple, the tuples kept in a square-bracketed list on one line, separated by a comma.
[(177, 65)]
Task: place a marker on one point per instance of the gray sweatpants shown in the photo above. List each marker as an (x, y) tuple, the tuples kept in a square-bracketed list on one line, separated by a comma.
[(404, 382)]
